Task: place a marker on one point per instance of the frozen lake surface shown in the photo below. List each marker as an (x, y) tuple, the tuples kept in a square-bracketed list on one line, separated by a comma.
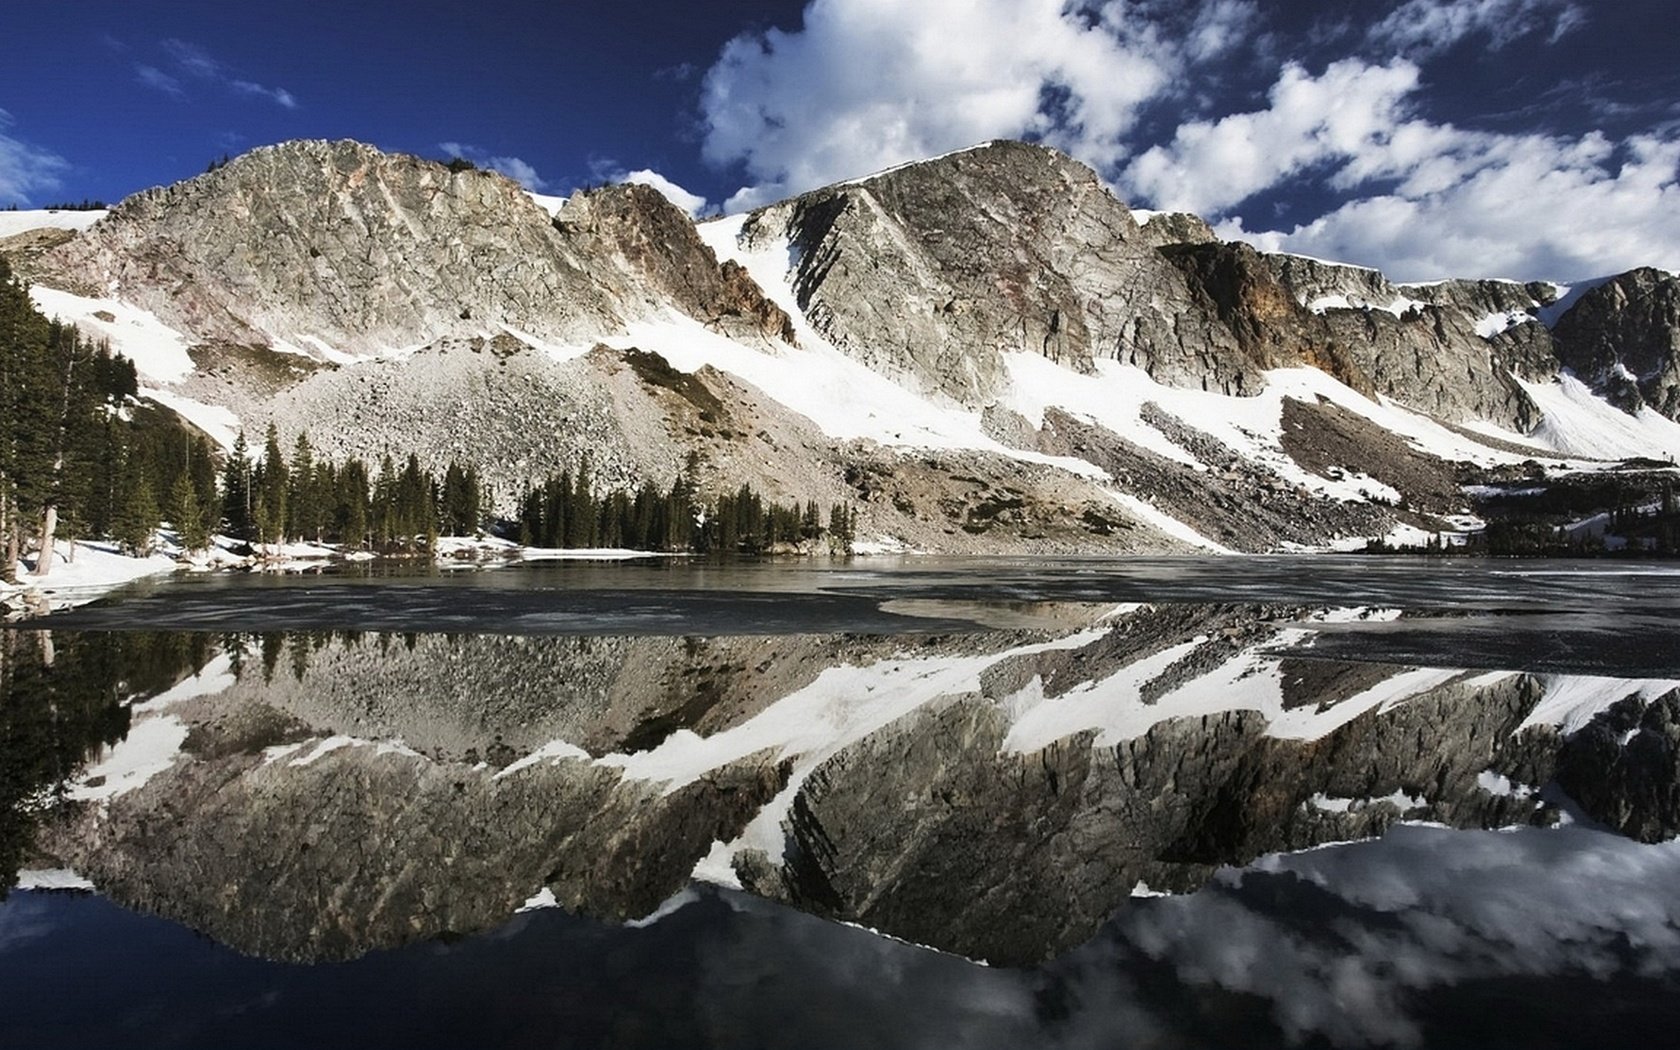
[(1170, 802)]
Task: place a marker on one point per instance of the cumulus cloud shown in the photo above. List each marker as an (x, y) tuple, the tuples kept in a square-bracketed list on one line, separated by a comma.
[(1529, 207), (189, 62), (866, 84), (1210, 165), (1420, 28), (26, 170), (1453, 201), (514, 168), (692, 203)]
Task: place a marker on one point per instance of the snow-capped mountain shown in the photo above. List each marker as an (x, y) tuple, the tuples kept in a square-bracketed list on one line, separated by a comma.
[(983, 351)]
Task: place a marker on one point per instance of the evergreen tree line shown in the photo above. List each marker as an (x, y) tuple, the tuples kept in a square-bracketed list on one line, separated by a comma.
[(85, 204), (79, 456), (563, 511), (390, 509)]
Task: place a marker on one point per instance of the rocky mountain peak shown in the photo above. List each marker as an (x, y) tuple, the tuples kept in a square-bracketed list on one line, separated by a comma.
[(1623, 336), (931, 271), (316, 243)]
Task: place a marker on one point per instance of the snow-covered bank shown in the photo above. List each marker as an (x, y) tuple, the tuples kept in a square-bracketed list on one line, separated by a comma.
[(81, 571), (98, 567)]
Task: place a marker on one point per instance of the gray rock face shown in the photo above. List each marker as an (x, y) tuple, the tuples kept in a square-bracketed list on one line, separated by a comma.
[(1177, 227), (368, 251), (928, 272), (1623, 337), (1416, 344)]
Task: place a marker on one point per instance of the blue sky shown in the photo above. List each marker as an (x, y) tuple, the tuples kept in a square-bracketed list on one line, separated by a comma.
[(1522, 138)]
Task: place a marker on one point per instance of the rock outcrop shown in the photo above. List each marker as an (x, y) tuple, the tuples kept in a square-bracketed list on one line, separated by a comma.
[(1623, 337), (1417, 344), (928, 272)]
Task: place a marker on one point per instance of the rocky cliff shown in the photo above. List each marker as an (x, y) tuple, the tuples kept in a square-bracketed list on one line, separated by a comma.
[(1623, 336)]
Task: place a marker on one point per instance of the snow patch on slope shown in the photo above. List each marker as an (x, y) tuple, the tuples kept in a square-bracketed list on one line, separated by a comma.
[(15, 222), (218, 423), (1114, 397), (1579, 423), (158, 351), (1398, 306), (1501, 321)]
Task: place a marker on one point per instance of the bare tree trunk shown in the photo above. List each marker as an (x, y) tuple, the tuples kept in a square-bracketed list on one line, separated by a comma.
[(8, 540), (49, 526)]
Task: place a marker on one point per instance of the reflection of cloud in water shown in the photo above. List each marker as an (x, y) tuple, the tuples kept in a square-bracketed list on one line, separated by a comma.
[(1339, 938), (1361, 944), (825, 986)]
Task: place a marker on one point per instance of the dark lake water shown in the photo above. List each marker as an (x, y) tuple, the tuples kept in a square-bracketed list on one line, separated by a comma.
[(1002, 803)]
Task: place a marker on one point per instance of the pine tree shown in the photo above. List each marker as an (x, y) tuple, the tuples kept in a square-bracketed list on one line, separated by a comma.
[(137, 516), (186, 511), (303, 509), (351, 518), (270, 482), (842, 528), (236, 489)]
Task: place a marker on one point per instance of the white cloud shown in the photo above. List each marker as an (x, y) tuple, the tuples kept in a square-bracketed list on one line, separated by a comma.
[(1527, 206), (192, 61), (866, 84), (279, 96), (1220, 27), (1211, 165), (692, 203), (1420, 28), (158, 80), (1454, 202), (26, 170), (513, 167)]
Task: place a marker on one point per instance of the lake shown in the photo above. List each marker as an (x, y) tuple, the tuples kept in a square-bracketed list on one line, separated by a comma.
[(886, 802)]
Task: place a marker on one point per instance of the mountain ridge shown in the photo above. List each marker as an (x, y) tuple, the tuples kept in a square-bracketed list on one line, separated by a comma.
[(988, 312)]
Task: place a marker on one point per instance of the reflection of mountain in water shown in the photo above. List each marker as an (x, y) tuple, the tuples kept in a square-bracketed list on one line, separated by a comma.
[(996, 794), (59, 702)]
